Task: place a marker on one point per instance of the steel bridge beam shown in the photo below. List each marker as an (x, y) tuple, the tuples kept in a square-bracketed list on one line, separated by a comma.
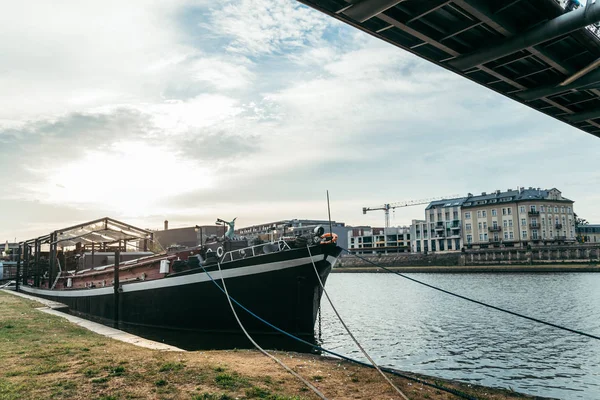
[(537, 93), (367, 9), (583, 116), (554, 28)]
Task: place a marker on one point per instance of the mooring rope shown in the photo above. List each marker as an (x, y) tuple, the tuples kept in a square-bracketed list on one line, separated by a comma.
[(343, 357), (350, 333), (477, 301), (288, 369)]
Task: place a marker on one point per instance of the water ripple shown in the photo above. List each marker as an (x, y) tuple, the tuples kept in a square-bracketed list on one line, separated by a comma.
[(413, 328)]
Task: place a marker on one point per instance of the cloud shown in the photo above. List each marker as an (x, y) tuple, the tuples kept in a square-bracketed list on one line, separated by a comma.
[(258, 27), (188, 110)]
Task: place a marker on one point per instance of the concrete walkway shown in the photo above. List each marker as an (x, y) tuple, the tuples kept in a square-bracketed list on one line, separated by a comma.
[(53, 307)]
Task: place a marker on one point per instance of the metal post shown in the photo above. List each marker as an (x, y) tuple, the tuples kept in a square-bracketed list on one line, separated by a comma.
[(52, 260), (25, 262), (93, 253), (116, 285), (37, 280), (18, 269)]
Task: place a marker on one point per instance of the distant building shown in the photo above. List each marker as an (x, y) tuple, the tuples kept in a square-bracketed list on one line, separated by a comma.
[(190, 236), (515, 218), (291, 227), (367, 240), (589, 233)]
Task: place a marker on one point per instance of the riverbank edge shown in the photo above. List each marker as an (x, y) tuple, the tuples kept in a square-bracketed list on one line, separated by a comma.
[(474, 269), (327, 363)]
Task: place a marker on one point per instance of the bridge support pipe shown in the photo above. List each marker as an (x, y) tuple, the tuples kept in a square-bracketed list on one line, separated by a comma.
[(554, 28)]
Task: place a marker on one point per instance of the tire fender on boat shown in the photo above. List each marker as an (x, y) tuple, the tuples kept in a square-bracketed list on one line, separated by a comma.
[(220, 251), (327, 238)]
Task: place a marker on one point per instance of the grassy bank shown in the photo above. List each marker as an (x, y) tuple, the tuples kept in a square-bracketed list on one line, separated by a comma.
[(47, 357)]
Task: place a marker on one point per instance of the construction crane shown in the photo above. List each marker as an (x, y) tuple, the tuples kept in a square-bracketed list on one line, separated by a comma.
[(391, 206)]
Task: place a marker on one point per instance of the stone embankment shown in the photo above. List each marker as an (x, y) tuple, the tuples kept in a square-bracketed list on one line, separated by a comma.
[(542, 259)]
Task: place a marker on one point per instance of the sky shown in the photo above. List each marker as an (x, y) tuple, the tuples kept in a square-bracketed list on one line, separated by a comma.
[(192, 110)]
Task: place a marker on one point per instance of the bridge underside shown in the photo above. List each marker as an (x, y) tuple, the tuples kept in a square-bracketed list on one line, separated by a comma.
[(531, 51)]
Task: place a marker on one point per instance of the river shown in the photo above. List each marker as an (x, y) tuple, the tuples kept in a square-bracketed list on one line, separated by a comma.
[(411, 327)]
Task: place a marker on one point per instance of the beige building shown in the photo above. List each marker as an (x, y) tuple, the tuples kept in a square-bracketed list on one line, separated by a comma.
[(517, 218)]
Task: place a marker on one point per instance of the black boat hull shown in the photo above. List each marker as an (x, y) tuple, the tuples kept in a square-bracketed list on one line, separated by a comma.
[(281, 288)]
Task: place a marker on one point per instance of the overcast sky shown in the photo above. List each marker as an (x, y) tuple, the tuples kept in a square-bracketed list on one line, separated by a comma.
[(193, 110)]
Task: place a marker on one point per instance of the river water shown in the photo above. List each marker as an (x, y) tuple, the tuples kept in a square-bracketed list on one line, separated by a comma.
[(414, 328)]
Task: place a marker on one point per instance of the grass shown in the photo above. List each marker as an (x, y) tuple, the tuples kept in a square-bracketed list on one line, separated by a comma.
[(47, 357)]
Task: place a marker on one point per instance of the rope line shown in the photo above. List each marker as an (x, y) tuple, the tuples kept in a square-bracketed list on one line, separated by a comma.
[(343, 357), (350, 333), (288, 369), (477, 301)]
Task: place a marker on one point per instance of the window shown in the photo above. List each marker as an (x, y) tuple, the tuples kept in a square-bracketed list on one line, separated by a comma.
[(555, 209), (478, 214), (504, 211), (542, 209), (455, 215), (524, 233), (439, 216), (495, 224), (532, 208), (511, 235), (481, 237), (533, 221), (447, 215), (467, 215), (433, 245), (543, 221), (562, 210), (523, 222), (510, 223), (480, 226), (484, 225), (522, 209), (485, 237), (509, 211), (494, 213), (484, 213), (431, 216), (469, 239), (505, 223), (468, 227), (534, 234), (505, 235), (569, 210), (544, 234)]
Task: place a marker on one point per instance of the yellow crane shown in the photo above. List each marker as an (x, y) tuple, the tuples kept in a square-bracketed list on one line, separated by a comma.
[(409, 203)]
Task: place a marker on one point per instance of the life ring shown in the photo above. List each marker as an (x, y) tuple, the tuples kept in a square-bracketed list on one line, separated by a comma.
[(327, 238), (220, 251)]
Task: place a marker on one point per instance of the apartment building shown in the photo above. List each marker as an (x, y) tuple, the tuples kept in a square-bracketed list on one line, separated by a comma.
[(441, 230), (367, 240), (515, 218), (589, 233)]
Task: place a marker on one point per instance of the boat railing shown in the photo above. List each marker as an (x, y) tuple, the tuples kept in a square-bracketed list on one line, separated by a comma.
[(256, 250)]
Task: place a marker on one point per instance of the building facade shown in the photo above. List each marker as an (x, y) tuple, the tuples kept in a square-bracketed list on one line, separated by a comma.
[(293, 227), (515, 218), (588, 233), (367, 240)]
